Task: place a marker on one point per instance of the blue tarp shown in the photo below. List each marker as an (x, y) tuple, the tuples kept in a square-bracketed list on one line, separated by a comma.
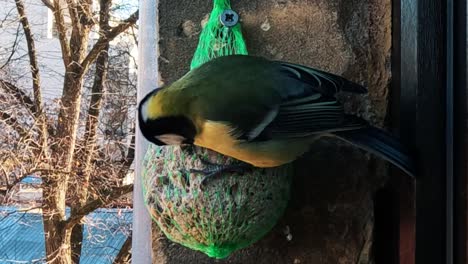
[(31, 179), (22, 236)]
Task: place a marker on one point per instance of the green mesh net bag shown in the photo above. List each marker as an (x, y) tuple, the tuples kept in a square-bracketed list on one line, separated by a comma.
[(221, 36), (231, 211)]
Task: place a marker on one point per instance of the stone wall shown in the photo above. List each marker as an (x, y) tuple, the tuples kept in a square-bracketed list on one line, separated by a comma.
[(330, 217)]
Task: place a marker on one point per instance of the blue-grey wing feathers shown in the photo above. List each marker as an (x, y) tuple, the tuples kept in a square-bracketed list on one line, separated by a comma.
[(382, 144), (325, 83), (315, 110)]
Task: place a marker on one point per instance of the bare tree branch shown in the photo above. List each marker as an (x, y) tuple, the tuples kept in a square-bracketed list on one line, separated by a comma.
[(47, 171), (124, 254), (131, 150), (73, 156), (69, 112), (16, 181), (87, 152), (13, 123), (80, 26), (84, 12), (94, 108), (130, 156), (49, 4), (108, 37), (6, 17), (62, 33), (13, 48), (19, 95), (92, 205), (130, 21), (36, 79), (5, 176), (73, 12)]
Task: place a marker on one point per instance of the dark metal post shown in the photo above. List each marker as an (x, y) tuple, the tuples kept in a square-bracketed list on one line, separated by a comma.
[(424, 74), (460, 131)]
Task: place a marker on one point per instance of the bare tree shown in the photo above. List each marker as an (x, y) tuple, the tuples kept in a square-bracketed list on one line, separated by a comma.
[(66, 143)]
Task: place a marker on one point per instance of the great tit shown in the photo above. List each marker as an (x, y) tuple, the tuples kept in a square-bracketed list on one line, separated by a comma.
[(262, 112)]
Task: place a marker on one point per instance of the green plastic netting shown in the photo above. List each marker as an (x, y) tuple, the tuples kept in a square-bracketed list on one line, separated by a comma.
[(231, 211), (216, 39)]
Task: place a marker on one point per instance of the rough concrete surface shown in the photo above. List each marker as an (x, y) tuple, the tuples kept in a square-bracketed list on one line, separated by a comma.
[(330, 216)]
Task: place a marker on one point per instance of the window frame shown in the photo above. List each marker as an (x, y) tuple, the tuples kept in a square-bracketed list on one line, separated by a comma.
[(428, 217)]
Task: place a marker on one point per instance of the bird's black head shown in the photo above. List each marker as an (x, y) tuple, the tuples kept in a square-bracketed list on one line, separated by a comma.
[(162, 129), (170, 130)]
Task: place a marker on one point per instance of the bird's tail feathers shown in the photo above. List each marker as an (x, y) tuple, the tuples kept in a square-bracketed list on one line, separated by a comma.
[(382, 144)]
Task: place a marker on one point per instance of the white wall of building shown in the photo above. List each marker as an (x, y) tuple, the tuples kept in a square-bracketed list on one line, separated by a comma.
[(48, 52), (48, 47)]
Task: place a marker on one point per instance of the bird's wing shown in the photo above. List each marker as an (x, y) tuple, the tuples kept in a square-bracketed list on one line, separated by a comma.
[(325, 83), (310, 115), (263, 100)]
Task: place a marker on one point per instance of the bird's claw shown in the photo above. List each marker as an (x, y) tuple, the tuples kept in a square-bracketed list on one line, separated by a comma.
[(213, 170)]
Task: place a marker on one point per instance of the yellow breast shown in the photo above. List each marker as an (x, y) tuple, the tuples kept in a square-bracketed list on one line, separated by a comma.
[(216, 136)]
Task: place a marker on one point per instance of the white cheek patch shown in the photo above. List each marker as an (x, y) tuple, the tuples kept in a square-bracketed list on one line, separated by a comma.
[(144, 111), (171, 139)]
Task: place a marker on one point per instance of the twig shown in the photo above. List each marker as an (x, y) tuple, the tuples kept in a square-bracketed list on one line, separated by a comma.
[(108, 37), (48, 4), (13, 48), (97, 203), (20, 96), (35, 75)]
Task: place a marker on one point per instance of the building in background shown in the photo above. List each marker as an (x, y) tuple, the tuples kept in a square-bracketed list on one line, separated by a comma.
[(119, 104), (21, 227)]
